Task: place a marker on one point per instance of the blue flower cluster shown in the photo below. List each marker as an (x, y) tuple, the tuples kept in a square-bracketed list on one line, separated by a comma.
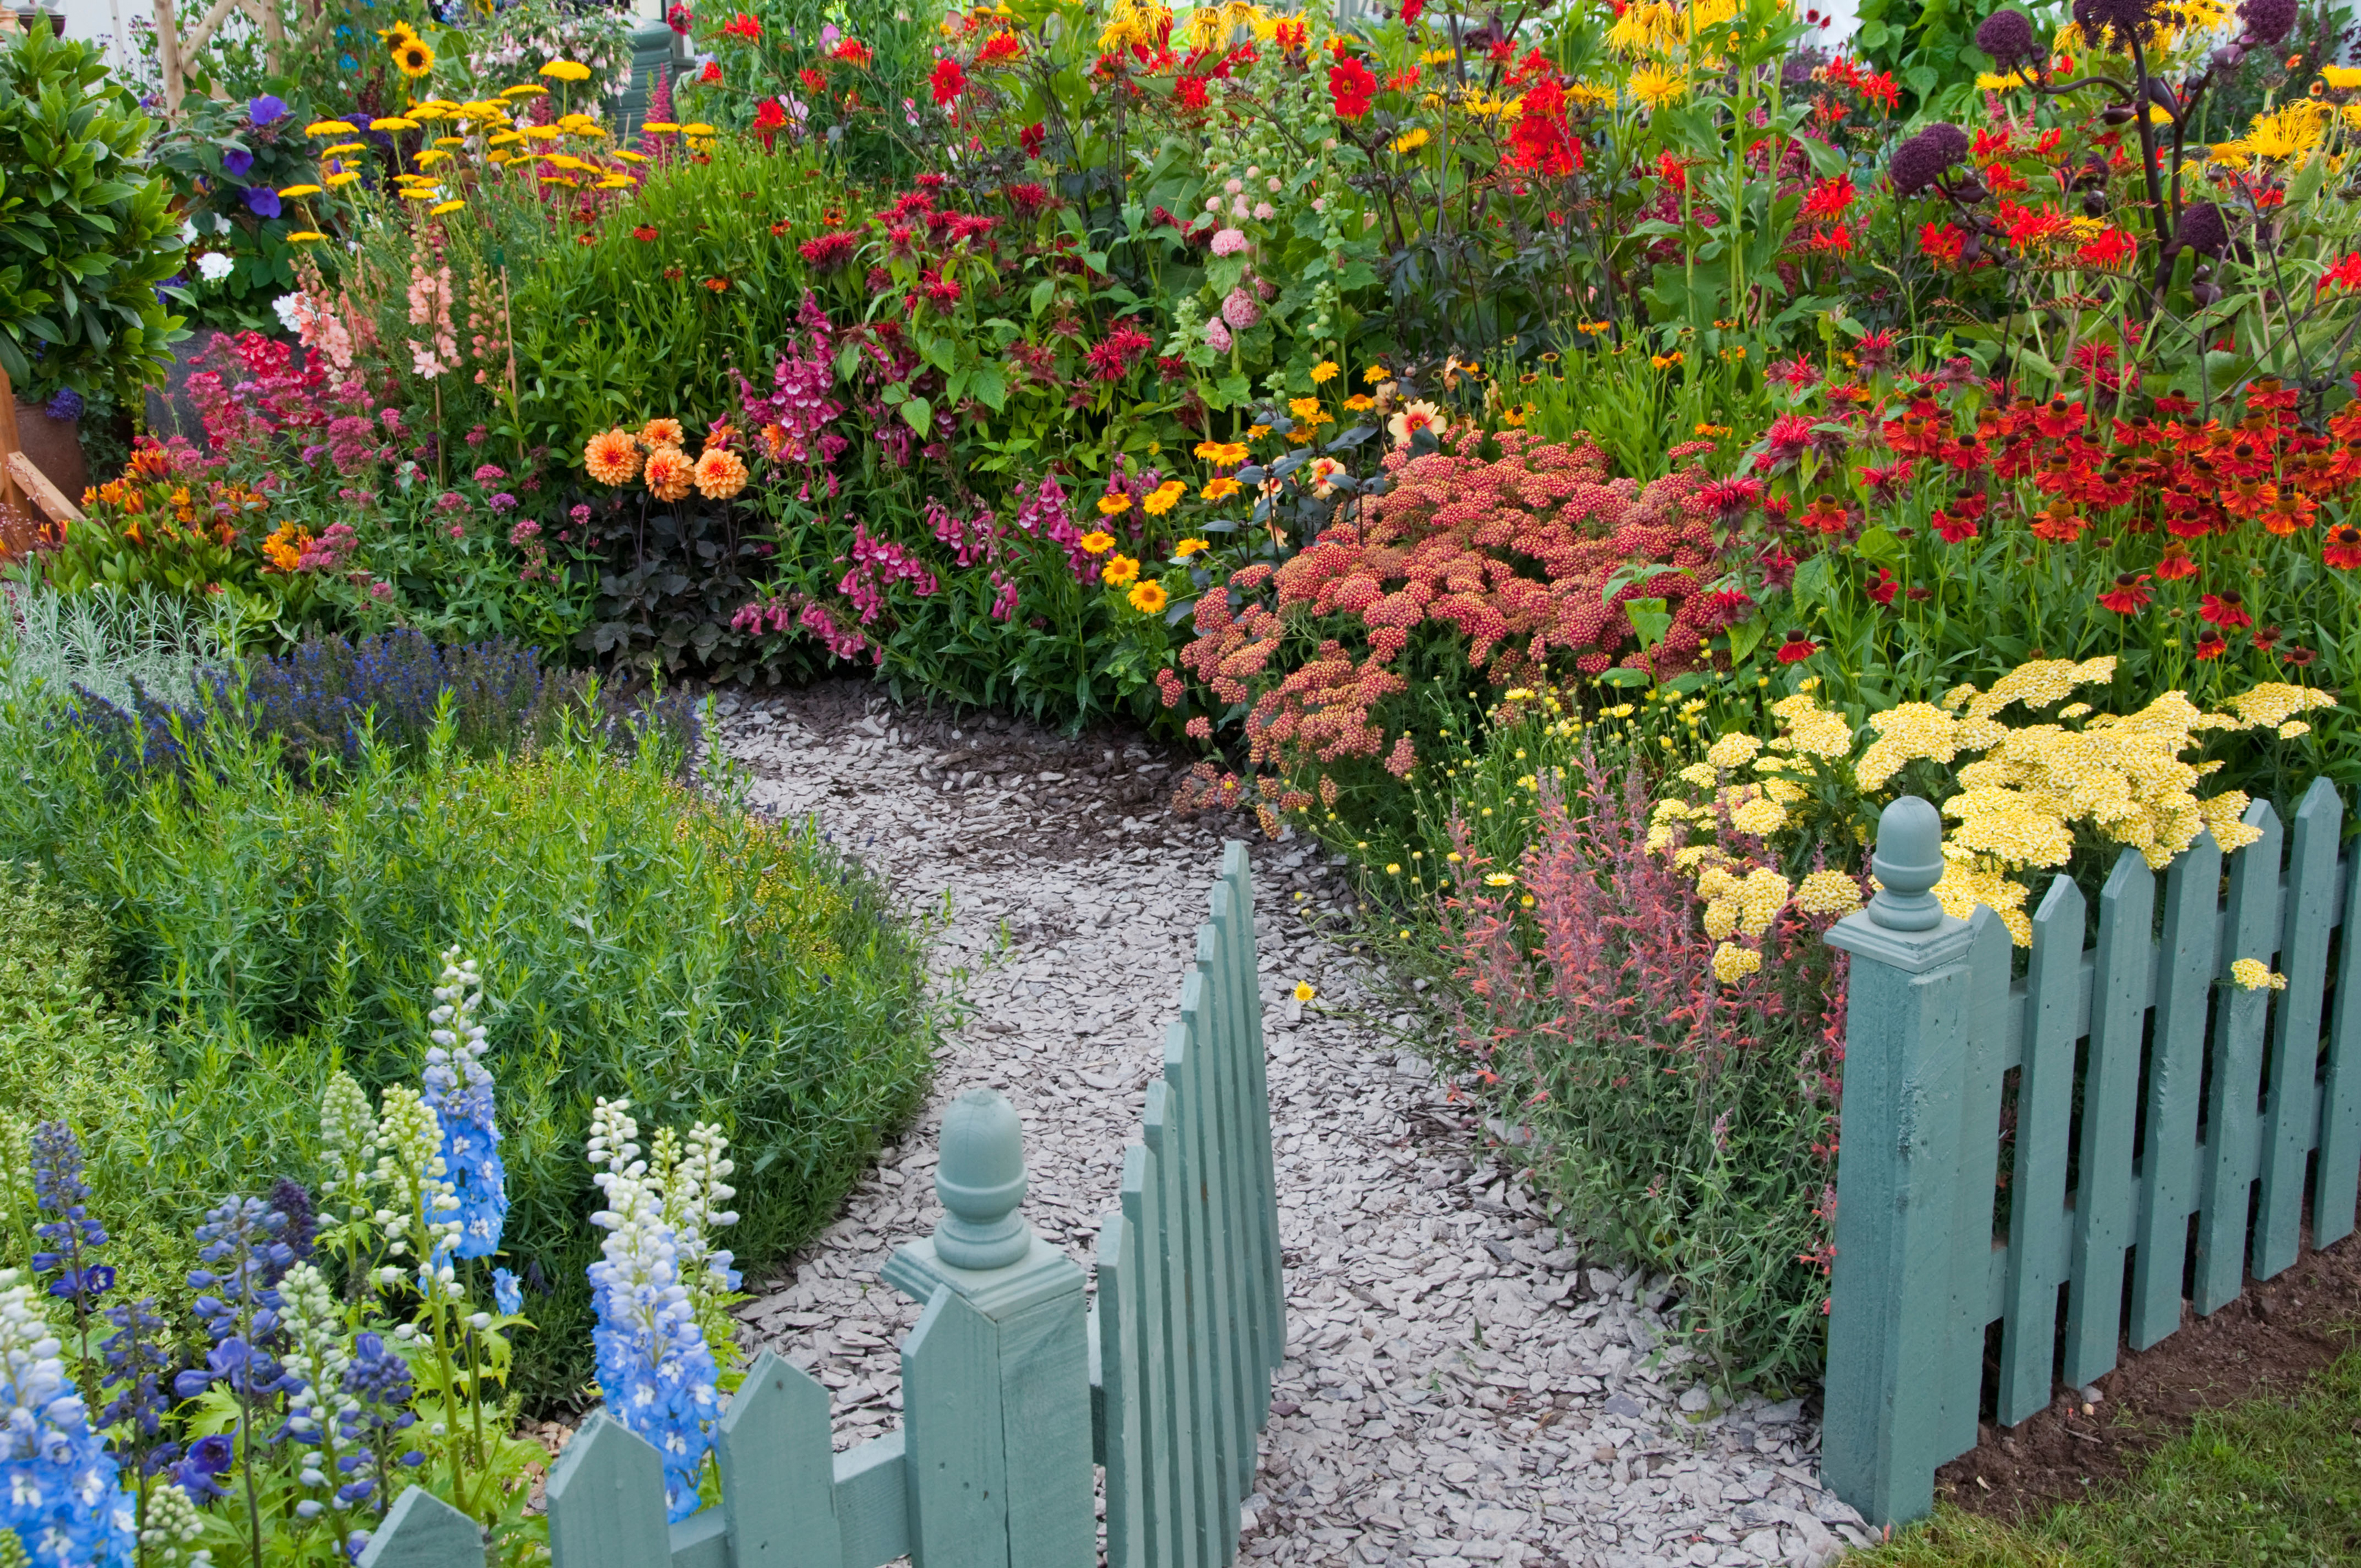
[(240, 1241), (460, 1090), (60, 1491), (73, 1235)]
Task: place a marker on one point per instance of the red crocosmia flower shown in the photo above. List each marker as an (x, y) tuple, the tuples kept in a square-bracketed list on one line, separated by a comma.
[(769, 117), (2344, 275), (812, 81), (2342, 548), (1797, 647), (1829, 200), (855, 53), (2129, 594), (2226, 610), (1673, 171), (1942, 242), (1033, 139), (645, 233), (2175, 563), (1001, 47), (711, 76), (1836, 237), (2113, 247), (742, 26), (1351, 87), (946, 81), (1542, 141), (1189, 93), (1882, 590), (1952, 529), (2211, 646)]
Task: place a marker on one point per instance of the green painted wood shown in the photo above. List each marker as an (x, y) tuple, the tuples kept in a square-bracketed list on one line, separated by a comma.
[(1889, 1323), (1117, 1320), (2187, 960), (1207, 1461), (1243, 957), (2292, 1116), (1043, 1356), (1181, 1529), (2336, 1190), (2044, 1105), (421, 1531), (701, 1540), (2105, 1201), (1234, 1348), (873, 1502), (954, 1456), (2233, 1121), (778, 1487), (607, 1501), (1247, 1125), (1983, 1040)]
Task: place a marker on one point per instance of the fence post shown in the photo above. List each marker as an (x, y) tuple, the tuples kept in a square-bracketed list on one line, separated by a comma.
[(1895, 1314), (995, 1378)]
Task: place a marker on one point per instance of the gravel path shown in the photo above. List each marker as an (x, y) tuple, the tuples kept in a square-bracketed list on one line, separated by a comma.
[(1461, 1384)]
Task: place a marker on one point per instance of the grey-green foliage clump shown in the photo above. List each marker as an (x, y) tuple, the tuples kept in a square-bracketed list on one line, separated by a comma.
[(109, 642), (86, 229)]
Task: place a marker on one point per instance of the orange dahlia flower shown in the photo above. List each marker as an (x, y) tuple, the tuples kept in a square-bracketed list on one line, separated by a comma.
[(670, 472), (612, 457), (721, 474), (663, 433)]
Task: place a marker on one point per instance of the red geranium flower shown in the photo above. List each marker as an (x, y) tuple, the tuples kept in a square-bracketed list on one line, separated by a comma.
[(1351, 87), (2226, 610), (2343, 549), (2129, 594), (1797, 647)]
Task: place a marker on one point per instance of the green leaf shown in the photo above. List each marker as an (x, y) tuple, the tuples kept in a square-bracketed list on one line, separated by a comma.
[(1649, 617), (1745, 636), (1811, 584), (918, 414), (1043, 292), (1879, 544)]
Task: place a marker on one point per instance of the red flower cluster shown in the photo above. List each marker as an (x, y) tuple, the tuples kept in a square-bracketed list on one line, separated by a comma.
[(742, 26)]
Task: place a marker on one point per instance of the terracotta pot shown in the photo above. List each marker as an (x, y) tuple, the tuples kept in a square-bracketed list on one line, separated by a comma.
[(55, 447)]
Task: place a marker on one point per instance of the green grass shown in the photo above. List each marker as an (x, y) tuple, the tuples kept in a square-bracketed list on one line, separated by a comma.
[(2268, 1482)]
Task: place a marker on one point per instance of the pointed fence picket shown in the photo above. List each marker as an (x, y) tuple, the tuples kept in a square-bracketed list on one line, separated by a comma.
[(2174, 1130), (1012, 1389)]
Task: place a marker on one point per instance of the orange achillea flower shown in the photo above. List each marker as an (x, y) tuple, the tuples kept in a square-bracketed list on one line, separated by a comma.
[(719, 474), (670, 472), (612, 457), (663, 433)]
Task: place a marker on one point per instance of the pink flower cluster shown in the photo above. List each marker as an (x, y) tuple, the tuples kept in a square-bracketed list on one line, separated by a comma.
[(972, 541), (877, 565), (794, 416), (331, 550), (801, 611)]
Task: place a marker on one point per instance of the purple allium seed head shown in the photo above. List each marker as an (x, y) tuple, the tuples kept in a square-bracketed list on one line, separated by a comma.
[(1927, 156), (2201, 229), (2008, 37), (2267, 21)]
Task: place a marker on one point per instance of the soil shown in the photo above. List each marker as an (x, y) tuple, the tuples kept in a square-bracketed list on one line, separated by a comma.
[(2265, 1343)]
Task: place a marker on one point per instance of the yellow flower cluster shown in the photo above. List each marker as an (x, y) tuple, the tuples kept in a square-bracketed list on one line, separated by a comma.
[(2253, 974), (2023, 789)]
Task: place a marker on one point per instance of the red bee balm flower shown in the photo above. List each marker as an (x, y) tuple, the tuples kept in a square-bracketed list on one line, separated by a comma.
[(2129, 594), (2343, 549), (1351, 87), (2227, 611), (1798, 648)]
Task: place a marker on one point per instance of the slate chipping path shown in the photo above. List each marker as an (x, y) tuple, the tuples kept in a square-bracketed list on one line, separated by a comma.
[(1460, 1387)]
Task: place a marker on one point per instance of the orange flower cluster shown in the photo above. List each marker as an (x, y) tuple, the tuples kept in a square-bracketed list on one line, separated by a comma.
[(655, 451)]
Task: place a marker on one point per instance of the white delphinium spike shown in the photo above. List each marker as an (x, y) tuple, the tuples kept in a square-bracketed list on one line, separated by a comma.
[(694, 1196), (418, 1216), (347, 1151)]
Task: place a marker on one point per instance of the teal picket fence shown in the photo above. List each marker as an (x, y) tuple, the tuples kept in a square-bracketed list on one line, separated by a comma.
[(2169, 1123), (1015, 1389)]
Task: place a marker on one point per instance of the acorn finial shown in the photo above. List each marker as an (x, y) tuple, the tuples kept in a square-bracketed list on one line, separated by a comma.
[(981, 1179), (1909, 862)]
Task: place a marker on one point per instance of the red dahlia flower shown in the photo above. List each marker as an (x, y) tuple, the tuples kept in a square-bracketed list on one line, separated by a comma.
[(946, 81), (1351, 87)]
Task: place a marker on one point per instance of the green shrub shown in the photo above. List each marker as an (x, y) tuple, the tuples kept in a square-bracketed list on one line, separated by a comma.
[(636, 940), (85, 235)]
